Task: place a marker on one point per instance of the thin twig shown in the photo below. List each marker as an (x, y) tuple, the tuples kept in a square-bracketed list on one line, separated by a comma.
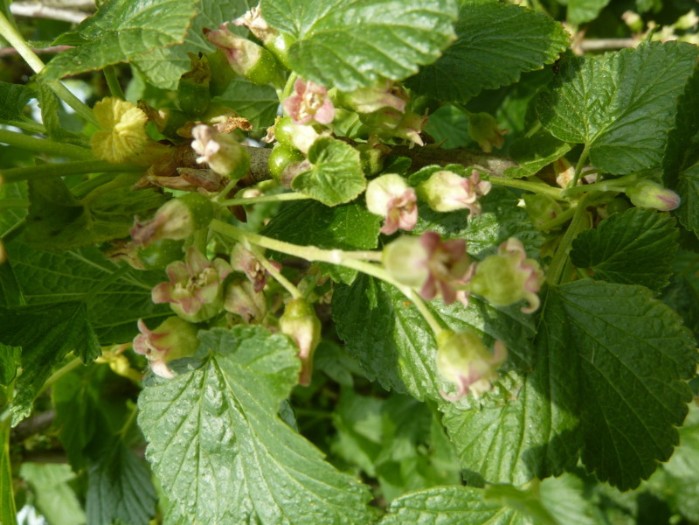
[(32, 426), (606, 44)]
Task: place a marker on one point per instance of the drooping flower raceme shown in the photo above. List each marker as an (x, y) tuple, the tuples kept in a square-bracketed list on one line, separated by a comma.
[(195, 289), (508, 277), (309, 103), (172, 339), (390, 197), (430, 265), (122, 134), (463, 360), (446, 191)]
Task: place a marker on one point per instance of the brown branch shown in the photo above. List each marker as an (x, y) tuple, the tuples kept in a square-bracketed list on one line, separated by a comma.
[(11, 51), (38, 10), (33, 425)]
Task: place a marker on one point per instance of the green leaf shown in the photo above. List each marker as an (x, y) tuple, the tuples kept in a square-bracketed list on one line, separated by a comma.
[(13, 98), (46, 333), (449, 506), (119, 488), (220, 450), (636, 246), (116, 296), (336, 174), (394, 344), (688, 188), (13, 203), (120, 31), (633, 358), (256, 103), (495, 44), (54, 497), (354, 43), (581, 11), (620, 105), (535, 153), (448, 126), (683, 142), (8, 511), (9, 361)]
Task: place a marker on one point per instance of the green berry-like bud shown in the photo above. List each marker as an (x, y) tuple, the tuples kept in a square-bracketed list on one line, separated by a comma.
[(447, 191), (159, 254), (463, 360), (405, 259), (280, 158), (541, 209), (301, 323), (483, 128), (177, 219), (292, 134), (649, 194)]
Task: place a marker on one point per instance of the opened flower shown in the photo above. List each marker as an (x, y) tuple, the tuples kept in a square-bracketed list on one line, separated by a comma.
[(173, 339), (447, 191), (195, 289), (464, 361), (223, 153), (390, 197), (310, 102), (508, 277)]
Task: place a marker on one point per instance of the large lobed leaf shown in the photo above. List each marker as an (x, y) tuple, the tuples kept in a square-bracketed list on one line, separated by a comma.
[(121, 31), (220, 450), (354, 43), (496, 43), (610, 378), (620, 105)]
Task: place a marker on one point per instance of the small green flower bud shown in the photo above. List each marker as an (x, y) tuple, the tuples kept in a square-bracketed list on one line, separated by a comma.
[(483, 128), (301, 323), (447, 191), (177, 219), (390, 197), (406, 261), (298, 136), (463, 360), (541, 209), (172, 339), (649, 194), (222, 152)]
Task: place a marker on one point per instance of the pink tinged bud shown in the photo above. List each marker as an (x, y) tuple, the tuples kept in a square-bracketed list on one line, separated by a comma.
[(257, 25), (508, 277), (648, 194), (390, 197), (223, 153), (464, 361), (483, 128), (241, 53), (382, 95), (300, 322), (244, 261), (430, 265), (177, 219), (447, 191), (173, 339), (310, 102), (243, 300), (194, 290)]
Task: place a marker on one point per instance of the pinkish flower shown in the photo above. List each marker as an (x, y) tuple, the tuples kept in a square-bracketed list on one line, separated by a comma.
[(447, 191), (243, 260), (432, 266), (508, 277), (172, 339), (221, 152), (390, 197), (310, 102), (242, 299), (195, 287), (463, 360)]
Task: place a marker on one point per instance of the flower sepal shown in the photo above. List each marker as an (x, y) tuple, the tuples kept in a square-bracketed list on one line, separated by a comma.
[(172, 339)]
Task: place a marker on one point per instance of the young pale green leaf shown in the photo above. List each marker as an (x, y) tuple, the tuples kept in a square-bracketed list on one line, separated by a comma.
[(336, 174), (222, 453), (394, 344), (633, 358), (636, 246), (350, 44), (13, 99), (256, 103), (54, 497), (116, 296), (581, 11), (620, 105), (528, 427), (120, 31), (450, 506), (120, 488), (495, 44), (46, 333), (535, 153)]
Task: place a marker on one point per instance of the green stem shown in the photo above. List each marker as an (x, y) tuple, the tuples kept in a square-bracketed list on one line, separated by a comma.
[(10, 33), (579, 166), (28, 126), (129, 423), (68, 168), (618, 184), (48, 146), (560, 261), (276, 274), (534, 187), (113, 84), (279, 197), (560, 219), (289, 87), (352, 260), (58, 374), (8, 509)]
